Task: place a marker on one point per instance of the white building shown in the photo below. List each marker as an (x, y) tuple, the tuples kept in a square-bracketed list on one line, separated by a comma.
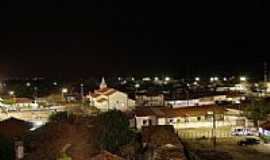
[(150, 100), (106, 98), (210, 100), (191, 117), (241, 87), (25, 102)]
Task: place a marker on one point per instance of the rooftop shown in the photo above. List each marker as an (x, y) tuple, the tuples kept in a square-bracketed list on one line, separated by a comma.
[(178, 112)]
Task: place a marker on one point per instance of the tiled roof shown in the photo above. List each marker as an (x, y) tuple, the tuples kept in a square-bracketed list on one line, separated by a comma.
[(178, 112), (110, 92), (101, 100), (103, 90), (23, 100), (13, 127), (94, 95), (265, 125), (106, 156)]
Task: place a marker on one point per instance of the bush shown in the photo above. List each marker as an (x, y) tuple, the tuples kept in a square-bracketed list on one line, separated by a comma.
[(266, 139), (64, 157), (61, 116)]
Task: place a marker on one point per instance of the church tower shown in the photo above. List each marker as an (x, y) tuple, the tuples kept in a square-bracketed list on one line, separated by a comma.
[(102, 84)]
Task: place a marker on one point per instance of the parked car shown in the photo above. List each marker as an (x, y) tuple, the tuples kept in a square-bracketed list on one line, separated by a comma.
[(245, 132), (249, 141)]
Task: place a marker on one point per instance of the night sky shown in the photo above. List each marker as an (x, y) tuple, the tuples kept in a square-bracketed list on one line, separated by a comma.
[(133, 38)]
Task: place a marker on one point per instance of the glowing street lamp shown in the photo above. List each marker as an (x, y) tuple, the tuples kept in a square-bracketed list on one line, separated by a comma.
[(156, 78), (225, 79), (137, 85), (243, 79), (28, 84), (215, 78), (212, 79), (197, 78), (167, 79), (64, 90), (11, 93)]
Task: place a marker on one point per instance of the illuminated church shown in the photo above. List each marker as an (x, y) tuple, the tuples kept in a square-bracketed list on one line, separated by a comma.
[(106, 98)]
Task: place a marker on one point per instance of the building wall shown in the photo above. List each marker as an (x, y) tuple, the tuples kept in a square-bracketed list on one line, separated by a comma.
[(32, 105), (196, 102), (118, 100), (182, 103), (144, 100), (192, 122), (145, 121)]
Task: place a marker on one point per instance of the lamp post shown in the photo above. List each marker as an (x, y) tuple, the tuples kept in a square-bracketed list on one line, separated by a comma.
[(63, 92), (11, 94), (214, 138), (136, 89), (82, 92), (35, 93)]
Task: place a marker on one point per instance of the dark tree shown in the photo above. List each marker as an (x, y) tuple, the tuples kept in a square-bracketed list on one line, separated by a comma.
[(257, 110), (6, 149), (115, 130)]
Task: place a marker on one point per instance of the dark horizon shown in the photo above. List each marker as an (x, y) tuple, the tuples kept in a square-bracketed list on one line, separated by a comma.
[(133, 38)]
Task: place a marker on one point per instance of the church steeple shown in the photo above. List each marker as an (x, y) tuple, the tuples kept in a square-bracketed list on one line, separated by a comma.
[(102, 84)]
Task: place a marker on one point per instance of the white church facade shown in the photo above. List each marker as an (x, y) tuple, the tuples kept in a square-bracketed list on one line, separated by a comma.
[(106, 98)]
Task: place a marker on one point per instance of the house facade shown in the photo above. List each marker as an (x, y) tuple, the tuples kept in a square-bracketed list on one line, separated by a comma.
[(201, 101), (149, 99), (106, 98), (191, 117)]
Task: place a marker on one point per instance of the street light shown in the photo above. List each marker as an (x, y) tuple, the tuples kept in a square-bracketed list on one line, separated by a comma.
[(11, 93), (167, 79), (28, 84), (63, 92), (137, 85), (197, 78), (243, 79)]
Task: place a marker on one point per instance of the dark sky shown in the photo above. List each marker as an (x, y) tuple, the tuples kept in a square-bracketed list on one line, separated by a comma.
[(106, 37)]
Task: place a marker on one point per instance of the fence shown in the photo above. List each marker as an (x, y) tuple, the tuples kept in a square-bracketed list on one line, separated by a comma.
[(204, 133)]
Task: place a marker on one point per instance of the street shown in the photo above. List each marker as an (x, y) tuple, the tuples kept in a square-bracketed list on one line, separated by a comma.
[(203, 148)]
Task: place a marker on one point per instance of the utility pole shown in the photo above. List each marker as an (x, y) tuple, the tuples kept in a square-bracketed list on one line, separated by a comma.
[(265, 72), (82, 92), (214, 129)]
